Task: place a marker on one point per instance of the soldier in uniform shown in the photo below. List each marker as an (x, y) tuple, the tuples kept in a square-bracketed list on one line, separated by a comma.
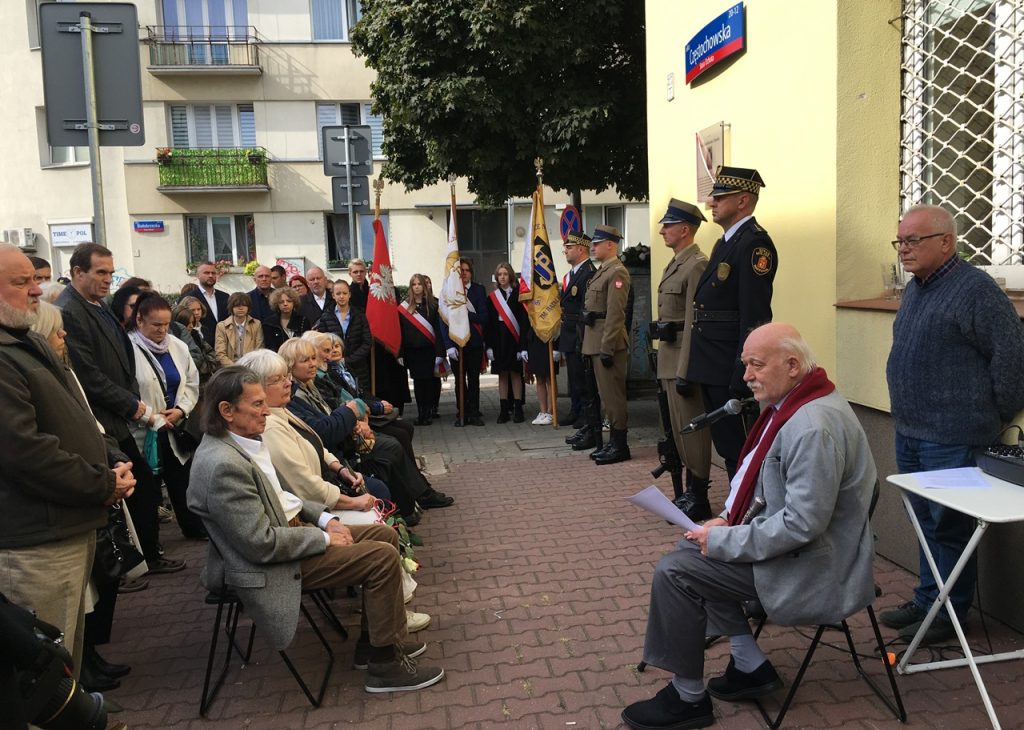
[(574, 286), (674, 326), (734, 295), (606, 341)]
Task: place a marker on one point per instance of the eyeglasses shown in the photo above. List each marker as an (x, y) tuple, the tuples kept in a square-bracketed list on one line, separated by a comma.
[(280, 379), (914, 241)]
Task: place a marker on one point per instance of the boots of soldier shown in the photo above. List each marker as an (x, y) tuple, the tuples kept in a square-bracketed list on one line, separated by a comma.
[(503, 414), (589, 439), (602, 447), (618, 449), (694, 501), (577, 435), (517, 412)]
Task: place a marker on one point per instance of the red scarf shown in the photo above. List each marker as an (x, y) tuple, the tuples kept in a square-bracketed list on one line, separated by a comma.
[(815, 385)]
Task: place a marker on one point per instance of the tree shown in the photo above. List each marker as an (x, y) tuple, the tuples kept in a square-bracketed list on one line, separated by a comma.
[(479, 88)]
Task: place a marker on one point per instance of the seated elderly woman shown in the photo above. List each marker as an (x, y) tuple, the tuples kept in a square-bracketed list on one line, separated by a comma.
[(308, 469), (342, 428)]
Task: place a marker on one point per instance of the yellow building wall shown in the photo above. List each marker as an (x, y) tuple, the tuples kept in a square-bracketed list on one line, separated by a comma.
[(813, 105)]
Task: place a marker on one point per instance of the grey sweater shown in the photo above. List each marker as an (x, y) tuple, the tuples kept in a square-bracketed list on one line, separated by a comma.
[(956, 368)]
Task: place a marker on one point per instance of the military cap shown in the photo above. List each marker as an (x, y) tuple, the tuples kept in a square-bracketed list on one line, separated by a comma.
[(730, 180), (577, 238), (681, 212), (606, 233)]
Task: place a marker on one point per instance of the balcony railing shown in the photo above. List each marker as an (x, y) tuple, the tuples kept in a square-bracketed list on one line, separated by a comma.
[(185, 169), (226, 48)]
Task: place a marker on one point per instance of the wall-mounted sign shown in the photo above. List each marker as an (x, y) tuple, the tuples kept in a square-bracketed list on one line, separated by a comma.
[(148, 226), (723, 37), (71, 234)]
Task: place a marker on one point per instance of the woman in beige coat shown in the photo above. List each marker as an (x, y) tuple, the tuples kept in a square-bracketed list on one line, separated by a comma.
[(239, 333)]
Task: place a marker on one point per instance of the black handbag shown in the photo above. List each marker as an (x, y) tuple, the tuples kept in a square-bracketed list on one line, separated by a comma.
[(116, 554)]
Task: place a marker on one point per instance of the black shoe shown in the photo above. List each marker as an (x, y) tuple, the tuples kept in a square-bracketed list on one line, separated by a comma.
[(941, 630), (433, 500), (475, 421), (580, 434), (132, 585), (579, 422), (163, 565), (902, 616), (458, 423), (93, 681), (736, 685), (613, 455), (667, 711), (99, 665), (599, 451), (588, 441), (421, 421), (517, 412), (412, 520), (694, 506)]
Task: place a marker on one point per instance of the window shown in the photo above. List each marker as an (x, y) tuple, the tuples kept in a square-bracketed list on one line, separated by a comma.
[(332, 19), (350, 114), (57, 156), (220, 238), (32, 12), (339, 247), (483, 237), (213, 125), (609, 215), (962, 120)]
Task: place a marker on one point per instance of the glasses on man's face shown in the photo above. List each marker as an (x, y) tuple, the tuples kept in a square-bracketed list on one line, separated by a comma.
[(913, 241)]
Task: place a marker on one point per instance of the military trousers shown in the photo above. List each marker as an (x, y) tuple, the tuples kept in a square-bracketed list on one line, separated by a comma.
[(694, 448), (611, 386)]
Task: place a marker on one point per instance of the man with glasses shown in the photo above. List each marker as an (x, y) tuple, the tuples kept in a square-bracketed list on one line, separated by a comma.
[(733, 296), (954, 376), (574, 286), (606, 343)]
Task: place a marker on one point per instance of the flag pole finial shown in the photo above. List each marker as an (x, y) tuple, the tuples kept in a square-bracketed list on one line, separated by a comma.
[(378, 188), (538, 162)]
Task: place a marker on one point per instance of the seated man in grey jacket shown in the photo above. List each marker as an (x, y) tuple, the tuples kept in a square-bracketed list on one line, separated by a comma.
[(802, 490), (267, 545)]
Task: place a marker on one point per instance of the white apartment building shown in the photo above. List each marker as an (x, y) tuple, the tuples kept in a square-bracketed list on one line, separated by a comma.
[(235, 94)]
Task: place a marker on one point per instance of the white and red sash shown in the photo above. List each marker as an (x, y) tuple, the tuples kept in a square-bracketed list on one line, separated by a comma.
[(417, 320), (505, 314)]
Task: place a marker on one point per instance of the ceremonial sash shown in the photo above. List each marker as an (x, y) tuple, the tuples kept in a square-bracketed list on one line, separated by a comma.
[(420, 322), (505, 314)]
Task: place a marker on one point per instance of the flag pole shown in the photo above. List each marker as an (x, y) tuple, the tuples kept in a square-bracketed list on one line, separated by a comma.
[(378, 187), (552, 384), (462, 359)]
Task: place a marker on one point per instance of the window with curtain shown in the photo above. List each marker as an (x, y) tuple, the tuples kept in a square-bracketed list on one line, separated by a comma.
[(353, 114), (332, 19), (339, 246), (213, 125), (220, 238)]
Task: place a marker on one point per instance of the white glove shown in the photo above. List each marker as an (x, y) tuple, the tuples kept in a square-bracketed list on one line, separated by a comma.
[(401, 361), (453, 353), (437, 361), (490, 354), (524, 356), (557, 356)]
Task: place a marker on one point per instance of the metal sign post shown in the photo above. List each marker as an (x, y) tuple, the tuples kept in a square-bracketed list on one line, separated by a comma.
[(354, 154), (95, 168)]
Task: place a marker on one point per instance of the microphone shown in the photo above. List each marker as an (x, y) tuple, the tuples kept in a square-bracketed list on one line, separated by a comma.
[(731, 408)]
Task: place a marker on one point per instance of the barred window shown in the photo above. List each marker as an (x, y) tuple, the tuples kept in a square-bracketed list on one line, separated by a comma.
[(962, 120)]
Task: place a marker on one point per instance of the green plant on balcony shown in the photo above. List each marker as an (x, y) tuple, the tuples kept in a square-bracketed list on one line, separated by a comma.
[(212, 167)]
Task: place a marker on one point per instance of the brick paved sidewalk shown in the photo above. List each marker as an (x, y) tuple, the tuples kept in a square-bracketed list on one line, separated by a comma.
[(537, 581)]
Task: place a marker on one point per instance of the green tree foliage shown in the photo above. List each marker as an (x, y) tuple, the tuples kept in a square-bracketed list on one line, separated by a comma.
[(479, 88)]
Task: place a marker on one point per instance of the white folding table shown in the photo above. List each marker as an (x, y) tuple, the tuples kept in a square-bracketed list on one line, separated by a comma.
[(1001, 502)]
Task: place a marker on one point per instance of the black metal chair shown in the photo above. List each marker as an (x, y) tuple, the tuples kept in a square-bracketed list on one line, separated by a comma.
[(227, 599)]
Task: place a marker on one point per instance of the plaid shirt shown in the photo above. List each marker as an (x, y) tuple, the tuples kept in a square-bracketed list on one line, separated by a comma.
[(950, 264)]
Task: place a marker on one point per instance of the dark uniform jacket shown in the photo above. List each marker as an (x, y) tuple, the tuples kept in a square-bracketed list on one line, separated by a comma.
[(102, 357), (359, 294), (572, 304), (734, 296), (607, 295), (53, 460)]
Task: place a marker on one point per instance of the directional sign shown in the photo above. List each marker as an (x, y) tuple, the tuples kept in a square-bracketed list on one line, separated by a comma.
[(357, 154), (359, 194), (115, 59), (570, 222)]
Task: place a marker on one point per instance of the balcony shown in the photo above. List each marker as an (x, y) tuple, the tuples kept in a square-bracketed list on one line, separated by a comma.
[(218, 170), (185, 50)]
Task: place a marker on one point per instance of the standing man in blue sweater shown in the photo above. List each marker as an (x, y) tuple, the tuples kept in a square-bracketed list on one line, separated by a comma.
[(954, 376)]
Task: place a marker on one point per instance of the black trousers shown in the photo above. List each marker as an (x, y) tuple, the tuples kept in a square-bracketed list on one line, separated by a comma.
[(591, 402), (144, 500), (100, 621), (425, 391), (471, 359), (175, 478), (576, 376), (728, 434), (389, 462)]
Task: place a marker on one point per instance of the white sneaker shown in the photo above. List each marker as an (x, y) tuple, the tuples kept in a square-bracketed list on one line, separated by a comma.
[(416, 621), (542, 419)]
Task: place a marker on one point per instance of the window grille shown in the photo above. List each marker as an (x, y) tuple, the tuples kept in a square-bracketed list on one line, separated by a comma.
[(962, 120)]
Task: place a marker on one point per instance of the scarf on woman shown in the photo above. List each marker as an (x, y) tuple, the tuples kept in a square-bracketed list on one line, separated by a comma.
[(157, 348), (815, 385)]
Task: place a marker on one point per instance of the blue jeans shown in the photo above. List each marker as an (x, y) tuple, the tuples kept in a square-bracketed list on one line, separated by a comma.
[(946, 531)]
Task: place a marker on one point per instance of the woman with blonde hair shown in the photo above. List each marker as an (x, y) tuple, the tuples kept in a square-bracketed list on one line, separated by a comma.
[(505, 336)]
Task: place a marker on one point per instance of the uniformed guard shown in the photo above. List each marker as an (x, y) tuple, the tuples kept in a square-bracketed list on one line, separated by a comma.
[(574, 286), (606, 341), (673, 328), (733, 296)]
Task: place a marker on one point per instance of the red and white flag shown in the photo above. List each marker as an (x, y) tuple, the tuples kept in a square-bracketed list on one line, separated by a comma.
[(381, 305)]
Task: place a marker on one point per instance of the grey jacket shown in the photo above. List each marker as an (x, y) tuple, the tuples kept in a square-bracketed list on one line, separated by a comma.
[(812, 546), (252, 548)]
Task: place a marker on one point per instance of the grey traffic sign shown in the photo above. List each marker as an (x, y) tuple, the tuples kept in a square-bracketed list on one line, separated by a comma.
[(118, 81), (360, 195), (357, 154)]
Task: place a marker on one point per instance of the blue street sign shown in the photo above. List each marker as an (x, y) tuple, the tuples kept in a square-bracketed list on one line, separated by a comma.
[(723, 37)]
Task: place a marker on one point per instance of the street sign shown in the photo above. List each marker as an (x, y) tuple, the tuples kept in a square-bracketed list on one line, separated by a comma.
[(569, 222), (722, 38), (360, 195), (357, 154), (115, 61)]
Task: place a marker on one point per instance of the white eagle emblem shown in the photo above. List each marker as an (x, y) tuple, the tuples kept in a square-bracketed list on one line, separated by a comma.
[(382, 287)]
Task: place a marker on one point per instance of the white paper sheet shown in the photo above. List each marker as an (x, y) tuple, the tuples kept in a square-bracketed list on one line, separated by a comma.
[(967, 477), (652, 500)]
